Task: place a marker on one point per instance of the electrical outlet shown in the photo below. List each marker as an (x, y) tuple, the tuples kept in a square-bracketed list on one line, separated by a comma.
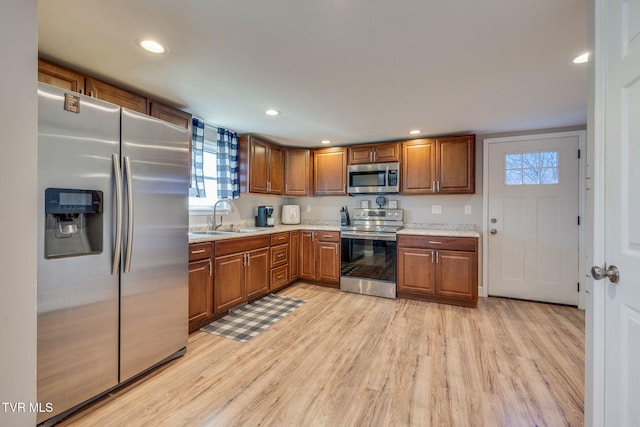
[(436, 209), (467, 209), (308, 208)]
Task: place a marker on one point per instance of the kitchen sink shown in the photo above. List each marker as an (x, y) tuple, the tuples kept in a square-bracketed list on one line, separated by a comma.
[(222, 233)]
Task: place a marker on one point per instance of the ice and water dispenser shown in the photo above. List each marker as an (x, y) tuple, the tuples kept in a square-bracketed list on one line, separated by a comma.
[(73, 222)]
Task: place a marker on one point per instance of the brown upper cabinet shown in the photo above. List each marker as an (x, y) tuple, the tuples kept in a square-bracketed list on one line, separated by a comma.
[(106, 92), (65, 78), (261, 166), (61, 77), (374, 153), (330, 171), (170, 114), (439, 165), (297, 172)]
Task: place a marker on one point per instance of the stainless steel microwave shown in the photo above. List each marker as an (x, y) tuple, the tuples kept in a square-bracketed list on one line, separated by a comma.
[(374, 178)]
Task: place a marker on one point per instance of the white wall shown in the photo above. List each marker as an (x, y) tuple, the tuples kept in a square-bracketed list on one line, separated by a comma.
[(18, 190)]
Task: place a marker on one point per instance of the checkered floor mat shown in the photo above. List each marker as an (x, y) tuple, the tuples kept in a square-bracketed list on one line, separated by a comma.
[(247, 322)]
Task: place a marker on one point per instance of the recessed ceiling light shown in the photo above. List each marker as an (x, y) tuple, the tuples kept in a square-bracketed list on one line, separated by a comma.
[(325, 141), (272, 112), (582, 58), (151, 46), (414, 132)]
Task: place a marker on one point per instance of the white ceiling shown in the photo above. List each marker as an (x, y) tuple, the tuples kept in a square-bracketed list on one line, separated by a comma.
[(344, 70)]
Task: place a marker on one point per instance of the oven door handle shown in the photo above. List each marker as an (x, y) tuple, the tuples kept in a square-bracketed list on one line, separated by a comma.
[(368, 235)]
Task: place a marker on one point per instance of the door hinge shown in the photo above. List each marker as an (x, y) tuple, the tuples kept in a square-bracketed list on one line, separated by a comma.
[(578, 219), (578, 286), (579, 154)]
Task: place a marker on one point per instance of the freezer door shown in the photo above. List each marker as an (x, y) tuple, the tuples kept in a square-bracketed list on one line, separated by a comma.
[(77, 295), (154, 280)]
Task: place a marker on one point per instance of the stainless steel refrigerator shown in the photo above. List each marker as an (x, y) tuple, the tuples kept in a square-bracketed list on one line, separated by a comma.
[(113, 246)]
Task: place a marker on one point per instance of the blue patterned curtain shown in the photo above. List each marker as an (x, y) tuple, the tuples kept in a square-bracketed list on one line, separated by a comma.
[(227, 164), (197, 159)]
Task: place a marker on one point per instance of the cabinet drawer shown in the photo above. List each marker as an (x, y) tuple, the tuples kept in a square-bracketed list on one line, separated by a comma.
[(279, 255), (469, 244), (198, 251), (279, 276), (279, 238), (232, 246), (328, 236)]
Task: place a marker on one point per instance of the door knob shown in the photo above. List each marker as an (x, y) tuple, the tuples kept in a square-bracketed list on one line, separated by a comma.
[(611, 272), (493, 231)]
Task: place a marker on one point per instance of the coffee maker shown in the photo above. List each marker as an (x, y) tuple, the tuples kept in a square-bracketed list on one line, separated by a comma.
[(264, 219)]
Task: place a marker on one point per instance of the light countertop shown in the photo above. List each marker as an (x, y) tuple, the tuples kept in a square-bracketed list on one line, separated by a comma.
[(199, 238)]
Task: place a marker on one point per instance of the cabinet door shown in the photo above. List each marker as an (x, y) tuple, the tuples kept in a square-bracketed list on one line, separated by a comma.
[(388, 152), (456, 165), (297, 172), (360, 154), (257, 273), (123, 98), (307, 258), (200, 292), (60, 77), (416, 271), (418, 166), (258, 169), (294, 256), (330, 171), (457, 274), (170, 114), (275, 169), (328, 256), (229, 281)]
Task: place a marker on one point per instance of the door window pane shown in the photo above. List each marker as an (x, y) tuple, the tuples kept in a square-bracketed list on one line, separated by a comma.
[(531, 168)]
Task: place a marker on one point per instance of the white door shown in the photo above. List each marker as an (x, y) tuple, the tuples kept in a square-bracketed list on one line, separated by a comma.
[(533, 209), (617, 223)]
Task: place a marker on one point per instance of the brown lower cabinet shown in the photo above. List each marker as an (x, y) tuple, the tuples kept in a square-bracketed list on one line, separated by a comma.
[(200, 285), (439, 269), (320, 257), (294, 256), (279, 260), (241, 271)]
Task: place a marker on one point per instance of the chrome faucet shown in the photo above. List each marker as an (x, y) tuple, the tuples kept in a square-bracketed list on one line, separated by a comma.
[(215, 207)]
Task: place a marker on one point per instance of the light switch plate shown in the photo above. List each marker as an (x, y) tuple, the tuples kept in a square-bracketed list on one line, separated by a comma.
[(467, 209), (436, 209)]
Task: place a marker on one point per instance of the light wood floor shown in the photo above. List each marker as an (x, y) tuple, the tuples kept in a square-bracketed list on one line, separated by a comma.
[(352, 360)]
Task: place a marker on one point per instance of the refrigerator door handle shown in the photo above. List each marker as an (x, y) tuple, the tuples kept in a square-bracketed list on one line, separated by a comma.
[(118, 242), (129, 249)]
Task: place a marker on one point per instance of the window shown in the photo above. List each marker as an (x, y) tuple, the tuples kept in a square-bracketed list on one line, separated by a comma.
[(210, 172), (531, 168)]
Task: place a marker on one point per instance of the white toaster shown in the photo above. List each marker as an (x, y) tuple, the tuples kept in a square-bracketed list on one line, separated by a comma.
[(290, 214)]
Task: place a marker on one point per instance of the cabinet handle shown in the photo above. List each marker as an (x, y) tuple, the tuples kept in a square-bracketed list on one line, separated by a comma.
[(279, 276), (437, 257), (286, 188), (434, 242), (198, 251), (91, 93), (433, 185), (210, 269), (432, 257), (327, 236), (438, 184), (280, 255), (248, 259)]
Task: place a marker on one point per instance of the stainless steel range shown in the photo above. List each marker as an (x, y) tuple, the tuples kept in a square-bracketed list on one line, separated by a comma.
[(369, 252)]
